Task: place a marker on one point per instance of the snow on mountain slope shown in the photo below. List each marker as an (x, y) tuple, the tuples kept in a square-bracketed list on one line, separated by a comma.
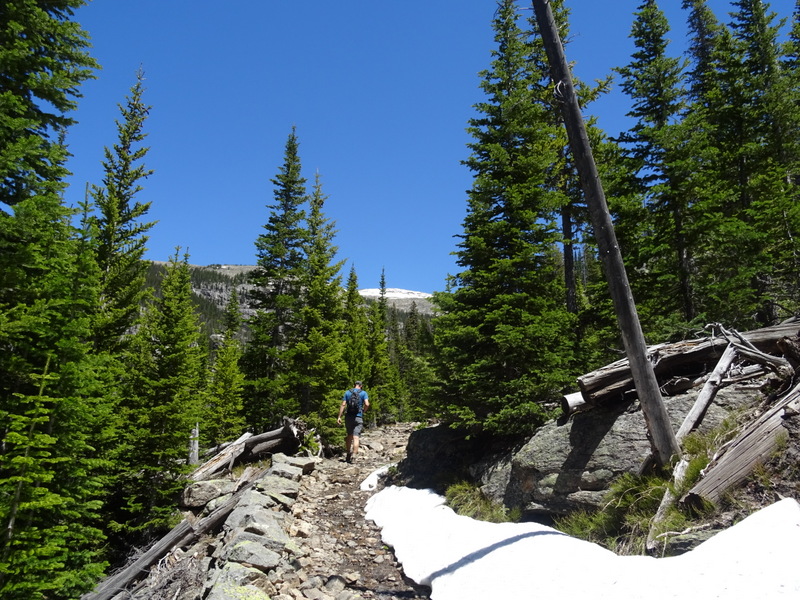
[(394, 293)]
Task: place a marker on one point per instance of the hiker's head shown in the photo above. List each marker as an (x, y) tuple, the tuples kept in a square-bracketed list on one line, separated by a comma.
[(359, 384)]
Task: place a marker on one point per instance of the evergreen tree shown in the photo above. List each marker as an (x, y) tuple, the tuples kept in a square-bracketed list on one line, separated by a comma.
[(45, 59), (356, 355), (223, 418), (502, 337), (51, 411), (164, 384), (318, 367), (277, 298), (653, 81), (749, 210), (120, 231), (382, 382)]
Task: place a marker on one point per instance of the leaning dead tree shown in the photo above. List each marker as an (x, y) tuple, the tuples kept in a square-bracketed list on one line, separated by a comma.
[(662, 438)]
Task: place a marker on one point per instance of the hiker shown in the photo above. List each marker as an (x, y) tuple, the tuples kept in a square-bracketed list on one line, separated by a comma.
[(354, 402)]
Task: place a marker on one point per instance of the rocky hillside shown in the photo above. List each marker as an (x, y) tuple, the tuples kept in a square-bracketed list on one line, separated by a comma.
[(212, 285)]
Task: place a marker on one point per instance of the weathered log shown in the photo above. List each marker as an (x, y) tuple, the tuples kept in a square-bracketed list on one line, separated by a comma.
[(573, 403), (707, 394), (221, 461), (249, 446), (690, 422), (181, 535), (753, 446), (611, 381)]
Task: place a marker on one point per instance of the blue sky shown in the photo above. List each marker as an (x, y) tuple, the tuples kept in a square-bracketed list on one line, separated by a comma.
[(380, 94)]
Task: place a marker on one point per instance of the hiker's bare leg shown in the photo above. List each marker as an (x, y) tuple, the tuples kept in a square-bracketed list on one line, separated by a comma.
[(355, 445), (348, 444)]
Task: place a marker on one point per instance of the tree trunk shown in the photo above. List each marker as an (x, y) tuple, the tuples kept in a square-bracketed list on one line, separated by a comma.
[(662, 438)]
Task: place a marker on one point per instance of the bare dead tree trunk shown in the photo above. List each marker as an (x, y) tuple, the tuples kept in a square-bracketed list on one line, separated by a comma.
[(662, 438)]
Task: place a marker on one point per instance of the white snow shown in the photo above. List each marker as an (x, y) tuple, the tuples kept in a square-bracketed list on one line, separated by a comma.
[(394, 293), (464, 559)]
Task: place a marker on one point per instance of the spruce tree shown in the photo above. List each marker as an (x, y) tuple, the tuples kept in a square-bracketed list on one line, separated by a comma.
[(502, 336), (223, 415), (277, 297), (52, 409), (381, 381), (120, 231), (652, 147), (318, 370), (45, 59), (163, 387), (355, 352)]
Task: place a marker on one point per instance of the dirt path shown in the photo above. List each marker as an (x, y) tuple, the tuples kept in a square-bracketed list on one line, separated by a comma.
[(344, 554)]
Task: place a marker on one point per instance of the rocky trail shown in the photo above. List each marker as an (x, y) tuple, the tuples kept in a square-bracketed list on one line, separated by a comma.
[(343, 557)]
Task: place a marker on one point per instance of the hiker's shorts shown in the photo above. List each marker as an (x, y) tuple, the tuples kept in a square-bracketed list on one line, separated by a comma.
[(353, 425)]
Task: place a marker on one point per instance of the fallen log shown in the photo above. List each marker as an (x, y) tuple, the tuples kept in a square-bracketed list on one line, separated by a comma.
[(250, 447), (223, 460), (611, 381), (753, 446), (183, 534)]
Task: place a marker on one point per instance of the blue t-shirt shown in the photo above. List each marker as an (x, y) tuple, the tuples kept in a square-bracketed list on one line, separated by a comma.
[(362, 396)]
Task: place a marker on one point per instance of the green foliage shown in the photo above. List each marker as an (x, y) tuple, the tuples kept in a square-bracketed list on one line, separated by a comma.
[(45, 59), (502, 336), (118, 231), (163, 386), (624, 522), (222, 415), (467, 500)]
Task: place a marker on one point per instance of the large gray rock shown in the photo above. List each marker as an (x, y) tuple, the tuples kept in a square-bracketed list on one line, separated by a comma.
[(565, 466), (570, 466), (200, 493), (238, 582)]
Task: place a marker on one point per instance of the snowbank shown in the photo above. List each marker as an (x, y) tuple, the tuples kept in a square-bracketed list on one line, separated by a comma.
[(464, 559)]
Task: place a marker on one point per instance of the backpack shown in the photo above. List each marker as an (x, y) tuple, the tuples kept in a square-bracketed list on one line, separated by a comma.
[(354, 402)]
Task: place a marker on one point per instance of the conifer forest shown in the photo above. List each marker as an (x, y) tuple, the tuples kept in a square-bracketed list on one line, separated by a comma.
[(102, 379)]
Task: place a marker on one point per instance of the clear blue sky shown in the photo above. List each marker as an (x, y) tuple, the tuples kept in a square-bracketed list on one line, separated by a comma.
[(380, 93)]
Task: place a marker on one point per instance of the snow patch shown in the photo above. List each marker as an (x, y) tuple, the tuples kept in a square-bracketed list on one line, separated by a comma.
[(464, 559), (394, 293)]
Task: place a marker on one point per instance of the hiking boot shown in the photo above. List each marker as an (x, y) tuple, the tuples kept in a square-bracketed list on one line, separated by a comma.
[(349, 458)]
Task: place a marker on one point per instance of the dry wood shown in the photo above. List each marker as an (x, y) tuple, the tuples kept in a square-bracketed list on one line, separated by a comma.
[(221, 461), (181, 535), (662, 438), (753, 446), (573, 403), (707, 394), (609, 382), (690, 422)]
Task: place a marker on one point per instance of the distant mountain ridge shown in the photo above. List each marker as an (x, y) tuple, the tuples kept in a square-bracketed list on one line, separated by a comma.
[(212, 285)]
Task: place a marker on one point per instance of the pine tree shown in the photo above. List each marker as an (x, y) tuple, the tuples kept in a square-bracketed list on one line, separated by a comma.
[(503, 330), (45, 59), (652, 147), (223, 418), (164, 384), (51, 411), (277, 297), (318, 369), (120, 232), (355, 352)]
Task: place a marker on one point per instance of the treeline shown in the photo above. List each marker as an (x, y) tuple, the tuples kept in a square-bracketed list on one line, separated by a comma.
[(101, 381)]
